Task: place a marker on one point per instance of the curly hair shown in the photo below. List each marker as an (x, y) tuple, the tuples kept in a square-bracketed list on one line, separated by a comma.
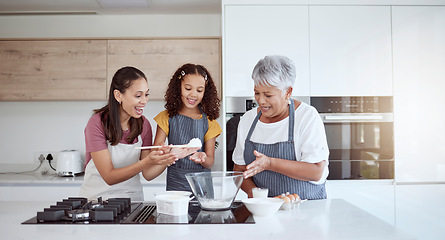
[(210, 102)]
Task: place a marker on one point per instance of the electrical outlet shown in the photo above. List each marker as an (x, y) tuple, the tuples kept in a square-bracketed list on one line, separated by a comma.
[(43, 155)]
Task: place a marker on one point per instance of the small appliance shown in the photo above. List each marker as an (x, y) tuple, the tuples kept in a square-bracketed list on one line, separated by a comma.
[(69, 163)]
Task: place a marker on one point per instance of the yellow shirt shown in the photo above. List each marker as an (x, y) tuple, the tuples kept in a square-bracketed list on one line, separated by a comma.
[(213, 131)]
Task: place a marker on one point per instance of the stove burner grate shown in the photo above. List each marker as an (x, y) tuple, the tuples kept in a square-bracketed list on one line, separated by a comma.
[(76, 209), (145, 214)]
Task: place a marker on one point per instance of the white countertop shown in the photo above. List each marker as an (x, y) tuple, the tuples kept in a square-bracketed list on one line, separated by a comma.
[(316, 219), (49, 176)]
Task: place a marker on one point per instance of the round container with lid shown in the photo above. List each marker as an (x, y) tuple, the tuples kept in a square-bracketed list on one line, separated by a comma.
[(172, 204)]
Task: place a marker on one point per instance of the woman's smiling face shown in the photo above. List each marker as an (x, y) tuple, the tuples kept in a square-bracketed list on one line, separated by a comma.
[(272, 103), (134, 99), (192, 90)]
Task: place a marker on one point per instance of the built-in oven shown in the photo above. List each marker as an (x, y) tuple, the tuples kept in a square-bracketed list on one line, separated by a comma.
[(235, 108), (360, 135)]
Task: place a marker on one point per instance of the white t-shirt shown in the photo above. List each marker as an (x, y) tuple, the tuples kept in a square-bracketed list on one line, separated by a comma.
[(309, 136)]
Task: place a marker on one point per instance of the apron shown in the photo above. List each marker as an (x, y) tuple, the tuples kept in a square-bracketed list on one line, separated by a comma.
[(182, 130), (278, 183), (122, 155)]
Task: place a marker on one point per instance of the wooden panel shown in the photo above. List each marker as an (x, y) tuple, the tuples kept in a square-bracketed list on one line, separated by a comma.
[(159, 59), (53, 70)]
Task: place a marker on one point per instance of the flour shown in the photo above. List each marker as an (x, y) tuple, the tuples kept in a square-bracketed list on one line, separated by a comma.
[(195, 143)]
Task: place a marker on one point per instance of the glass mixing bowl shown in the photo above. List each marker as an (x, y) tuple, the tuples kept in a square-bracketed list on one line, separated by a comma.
[(215, 190)]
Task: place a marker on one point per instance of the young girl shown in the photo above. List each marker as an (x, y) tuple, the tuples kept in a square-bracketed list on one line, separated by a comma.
[(111, 136), (192, 107)]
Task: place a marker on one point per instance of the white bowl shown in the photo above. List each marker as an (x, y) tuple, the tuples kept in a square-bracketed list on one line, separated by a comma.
[(263, 207)]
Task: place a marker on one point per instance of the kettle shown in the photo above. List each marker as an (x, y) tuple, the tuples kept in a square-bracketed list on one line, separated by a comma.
[(69, 163)]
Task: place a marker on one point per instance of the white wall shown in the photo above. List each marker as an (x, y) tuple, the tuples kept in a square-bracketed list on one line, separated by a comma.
[(105, 26), (30, 127)]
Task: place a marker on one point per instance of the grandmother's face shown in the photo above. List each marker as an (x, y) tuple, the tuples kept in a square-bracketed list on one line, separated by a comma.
[(272, 102)]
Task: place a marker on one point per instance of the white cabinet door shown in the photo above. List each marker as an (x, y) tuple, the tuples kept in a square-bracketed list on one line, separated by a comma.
[(350, 51), (419, 85), (420, 211), (251, 32), (375, 197)]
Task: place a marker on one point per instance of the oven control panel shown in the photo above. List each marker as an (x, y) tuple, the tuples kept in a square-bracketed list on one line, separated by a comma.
[(366, 104)]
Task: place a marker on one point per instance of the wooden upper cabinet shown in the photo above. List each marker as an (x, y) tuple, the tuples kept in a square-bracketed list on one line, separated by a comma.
[(53, 70), (159, 59)]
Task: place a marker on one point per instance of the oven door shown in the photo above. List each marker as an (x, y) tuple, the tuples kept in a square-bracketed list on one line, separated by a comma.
[(361, 145)]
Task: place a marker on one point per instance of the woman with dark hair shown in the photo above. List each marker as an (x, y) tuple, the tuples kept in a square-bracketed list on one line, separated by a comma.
[(192, 107), (112, 135)]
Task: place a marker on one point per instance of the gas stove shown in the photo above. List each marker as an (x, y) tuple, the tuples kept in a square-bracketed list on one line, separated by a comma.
[(78, 210)]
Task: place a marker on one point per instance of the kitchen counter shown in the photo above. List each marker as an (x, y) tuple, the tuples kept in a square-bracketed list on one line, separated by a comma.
[(316, 219), (49, 186), (43, 175)]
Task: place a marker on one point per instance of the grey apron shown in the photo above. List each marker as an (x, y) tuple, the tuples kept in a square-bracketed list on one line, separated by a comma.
[(181, 130), (278, 183)]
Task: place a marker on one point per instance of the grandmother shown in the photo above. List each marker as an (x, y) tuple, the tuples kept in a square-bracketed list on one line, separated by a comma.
[(281, 145)]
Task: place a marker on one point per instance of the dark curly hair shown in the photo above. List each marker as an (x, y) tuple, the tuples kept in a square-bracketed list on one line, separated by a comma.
[(210, 102)]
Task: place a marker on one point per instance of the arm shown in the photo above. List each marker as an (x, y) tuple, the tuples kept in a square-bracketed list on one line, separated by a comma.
[(299, 170), (111, 175), (206, 158), (155, 170), (248, 183)]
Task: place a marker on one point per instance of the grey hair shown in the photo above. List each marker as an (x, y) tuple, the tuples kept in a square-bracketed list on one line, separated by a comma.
[(275, 71)]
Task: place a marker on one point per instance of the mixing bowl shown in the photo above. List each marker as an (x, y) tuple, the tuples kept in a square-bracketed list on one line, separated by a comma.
[(215, 190)]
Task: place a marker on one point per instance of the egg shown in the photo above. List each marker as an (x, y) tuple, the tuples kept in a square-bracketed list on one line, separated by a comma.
[(286, 199), (291, 197), (297, 198)]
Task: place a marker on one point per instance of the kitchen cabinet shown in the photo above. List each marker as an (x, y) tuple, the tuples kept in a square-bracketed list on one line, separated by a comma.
[(350, 51), (374, 196), (420, 211), (53, 70), (251, 32), (338, 50), (159, 59), (419, 60)]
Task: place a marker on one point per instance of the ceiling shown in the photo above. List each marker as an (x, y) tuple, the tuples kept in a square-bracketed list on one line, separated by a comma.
[(48, 7)]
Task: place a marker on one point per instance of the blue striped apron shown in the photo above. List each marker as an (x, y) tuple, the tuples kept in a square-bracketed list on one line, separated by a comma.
[(181, 130), (278, 183)]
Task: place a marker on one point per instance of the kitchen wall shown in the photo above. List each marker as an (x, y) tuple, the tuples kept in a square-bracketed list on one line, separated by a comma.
[(30, 127)]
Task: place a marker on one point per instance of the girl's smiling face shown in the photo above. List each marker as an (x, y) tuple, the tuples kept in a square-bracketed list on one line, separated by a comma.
[(134, 99), (192, 90)]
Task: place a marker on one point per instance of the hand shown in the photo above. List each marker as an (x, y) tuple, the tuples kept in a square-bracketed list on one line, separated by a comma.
[(161, 157), (182, 152), (198, 157), (261, 163)]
